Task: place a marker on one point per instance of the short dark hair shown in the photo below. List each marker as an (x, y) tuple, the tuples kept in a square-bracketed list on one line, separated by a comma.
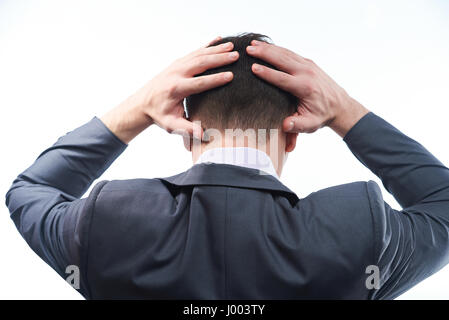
[(247, 101)]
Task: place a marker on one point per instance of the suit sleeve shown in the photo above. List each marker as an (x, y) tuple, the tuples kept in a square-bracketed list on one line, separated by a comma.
[(44, 200), (411, 244)]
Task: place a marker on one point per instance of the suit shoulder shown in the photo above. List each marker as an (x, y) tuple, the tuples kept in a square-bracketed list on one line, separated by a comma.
[(140, 185), (357, 199), (122, 195), (131, 202), (358, 189), (343, 217)]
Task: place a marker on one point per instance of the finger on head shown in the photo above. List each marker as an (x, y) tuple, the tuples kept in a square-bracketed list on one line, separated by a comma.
[(289, 125), (196, 85), (262, 46), (273, 56), (205, 62), (300, 124), (299, 86), (278, 78), (210, 43), (219, 48)]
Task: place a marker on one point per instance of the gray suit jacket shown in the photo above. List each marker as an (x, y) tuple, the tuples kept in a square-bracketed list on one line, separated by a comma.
[(226, 232)]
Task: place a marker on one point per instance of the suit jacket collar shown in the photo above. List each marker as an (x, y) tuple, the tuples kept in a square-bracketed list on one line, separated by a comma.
[(231, 176)]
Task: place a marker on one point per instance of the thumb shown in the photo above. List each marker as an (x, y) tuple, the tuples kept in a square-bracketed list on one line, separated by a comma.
[(300, 124), (185, 128)]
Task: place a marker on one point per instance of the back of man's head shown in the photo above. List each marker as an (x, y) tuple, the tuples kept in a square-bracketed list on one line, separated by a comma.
[(247, 102)]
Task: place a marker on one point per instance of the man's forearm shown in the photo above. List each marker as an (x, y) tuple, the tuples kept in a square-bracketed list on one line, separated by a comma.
[(74, 161), (407, 170)]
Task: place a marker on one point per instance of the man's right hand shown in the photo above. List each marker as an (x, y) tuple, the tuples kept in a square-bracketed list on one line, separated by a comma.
[(160, 101), (322, 102)]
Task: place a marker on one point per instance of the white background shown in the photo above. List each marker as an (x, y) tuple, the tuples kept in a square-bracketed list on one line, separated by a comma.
[(62, 62)]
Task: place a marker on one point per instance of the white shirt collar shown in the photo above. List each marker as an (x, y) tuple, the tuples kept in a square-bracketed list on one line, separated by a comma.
[(240, 156)]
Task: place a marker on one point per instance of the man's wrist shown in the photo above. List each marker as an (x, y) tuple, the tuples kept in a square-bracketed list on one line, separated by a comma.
[(127, 120), (349, 114)]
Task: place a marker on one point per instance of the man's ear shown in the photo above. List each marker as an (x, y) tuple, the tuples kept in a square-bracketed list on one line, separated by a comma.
[(188, 142), (290, 142)]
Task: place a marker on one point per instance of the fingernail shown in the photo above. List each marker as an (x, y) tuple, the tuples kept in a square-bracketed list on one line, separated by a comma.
[(251, 49), (233, 55), (256, 68), (228, 75), (227, 44), (255, 42), (291, 125)]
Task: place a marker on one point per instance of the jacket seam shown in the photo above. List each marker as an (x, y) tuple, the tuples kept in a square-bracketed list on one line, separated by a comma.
[(374, 227), (90, 215), (225, 246)]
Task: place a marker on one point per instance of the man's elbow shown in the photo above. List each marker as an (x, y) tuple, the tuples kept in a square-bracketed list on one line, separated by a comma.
[(13, 192)]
